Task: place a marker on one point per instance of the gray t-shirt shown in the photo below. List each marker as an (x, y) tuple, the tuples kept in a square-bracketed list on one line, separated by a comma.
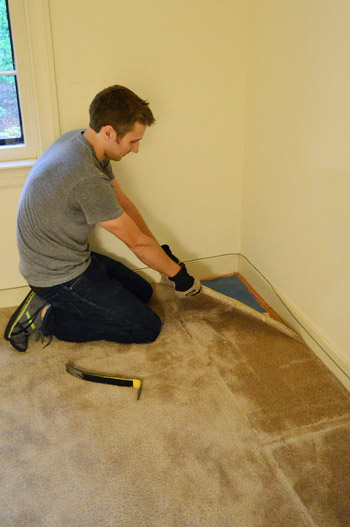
[(68, 191)]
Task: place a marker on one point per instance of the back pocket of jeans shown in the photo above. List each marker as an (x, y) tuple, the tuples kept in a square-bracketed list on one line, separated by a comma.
[(60, 302)]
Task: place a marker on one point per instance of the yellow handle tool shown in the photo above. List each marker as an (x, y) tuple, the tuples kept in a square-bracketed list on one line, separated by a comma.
[(105, 379)]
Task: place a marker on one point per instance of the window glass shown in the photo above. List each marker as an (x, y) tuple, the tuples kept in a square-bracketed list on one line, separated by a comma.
[(11, 129)]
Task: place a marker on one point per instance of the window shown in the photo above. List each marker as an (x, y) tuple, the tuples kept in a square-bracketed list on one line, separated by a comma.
[(11, 129), (28, 104)]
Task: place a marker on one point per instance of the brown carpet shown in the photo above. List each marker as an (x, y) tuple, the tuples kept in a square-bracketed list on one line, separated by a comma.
[(238, 425)]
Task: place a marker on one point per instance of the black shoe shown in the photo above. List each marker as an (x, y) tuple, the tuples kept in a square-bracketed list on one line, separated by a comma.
[(24, 321)]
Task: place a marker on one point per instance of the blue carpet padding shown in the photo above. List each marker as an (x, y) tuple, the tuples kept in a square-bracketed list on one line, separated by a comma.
[(232, 286)]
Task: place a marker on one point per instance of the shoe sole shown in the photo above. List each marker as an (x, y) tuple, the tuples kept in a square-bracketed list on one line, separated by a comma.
[(15, 317), (13, 343)]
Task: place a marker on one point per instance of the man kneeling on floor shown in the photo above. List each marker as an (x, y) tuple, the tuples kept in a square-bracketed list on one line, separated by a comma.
[(78, 295)]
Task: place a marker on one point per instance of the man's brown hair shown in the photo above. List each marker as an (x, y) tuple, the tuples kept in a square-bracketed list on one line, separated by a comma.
[(121, 108)]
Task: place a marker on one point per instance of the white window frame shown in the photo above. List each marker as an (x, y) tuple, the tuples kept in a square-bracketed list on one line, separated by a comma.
[(32, 43)]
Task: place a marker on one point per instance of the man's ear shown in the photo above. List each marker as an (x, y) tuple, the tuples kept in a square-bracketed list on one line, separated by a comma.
[(108, 131)]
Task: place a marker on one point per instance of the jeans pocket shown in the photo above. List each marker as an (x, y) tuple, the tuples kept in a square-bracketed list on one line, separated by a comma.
[(59, 301)]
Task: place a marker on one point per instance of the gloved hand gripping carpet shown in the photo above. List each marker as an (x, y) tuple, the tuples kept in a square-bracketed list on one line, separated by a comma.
[(238, 425)]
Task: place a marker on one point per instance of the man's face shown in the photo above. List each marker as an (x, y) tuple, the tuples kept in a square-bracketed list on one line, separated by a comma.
[(117, 147)]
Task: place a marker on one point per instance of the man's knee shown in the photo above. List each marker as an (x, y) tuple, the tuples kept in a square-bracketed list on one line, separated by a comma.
[(146, 292), (151, 331)]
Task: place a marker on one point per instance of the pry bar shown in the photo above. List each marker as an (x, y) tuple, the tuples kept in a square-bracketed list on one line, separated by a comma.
[(105, 379)]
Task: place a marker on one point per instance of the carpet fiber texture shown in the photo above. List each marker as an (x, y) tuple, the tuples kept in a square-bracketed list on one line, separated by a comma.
[(238, 425)]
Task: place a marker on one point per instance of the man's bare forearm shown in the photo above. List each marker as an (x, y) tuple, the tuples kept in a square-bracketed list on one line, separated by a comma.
[(152, 255), (145, 247), (133, 212)]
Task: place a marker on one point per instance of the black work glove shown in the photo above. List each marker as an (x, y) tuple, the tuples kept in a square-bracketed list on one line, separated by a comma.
[(168, 252), (185, 284)]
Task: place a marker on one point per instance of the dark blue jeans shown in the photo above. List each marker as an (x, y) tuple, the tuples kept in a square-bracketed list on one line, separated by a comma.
[(107, 301)]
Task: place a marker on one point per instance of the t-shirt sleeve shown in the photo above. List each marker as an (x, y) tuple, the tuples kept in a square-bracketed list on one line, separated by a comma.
[(97, 199)]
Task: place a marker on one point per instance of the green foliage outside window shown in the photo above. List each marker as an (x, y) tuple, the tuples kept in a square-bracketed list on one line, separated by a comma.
[(10, 122)]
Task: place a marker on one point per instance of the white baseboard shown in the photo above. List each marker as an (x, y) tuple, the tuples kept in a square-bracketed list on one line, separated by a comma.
[(13, 297), (202, 268), (298, 321)]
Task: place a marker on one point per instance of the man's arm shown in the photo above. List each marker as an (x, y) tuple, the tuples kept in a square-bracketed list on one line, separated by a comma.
[(145, 247), (130, 209), (131, 229)]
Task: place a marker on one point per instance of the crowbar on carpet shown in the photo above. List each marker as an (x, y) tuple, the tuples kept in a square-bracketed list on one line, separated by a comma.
[(105, 379)]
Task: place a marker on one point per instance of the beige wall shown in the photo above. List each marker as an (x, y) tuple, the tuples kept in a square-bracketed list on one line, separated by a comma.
[(296, 213)]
